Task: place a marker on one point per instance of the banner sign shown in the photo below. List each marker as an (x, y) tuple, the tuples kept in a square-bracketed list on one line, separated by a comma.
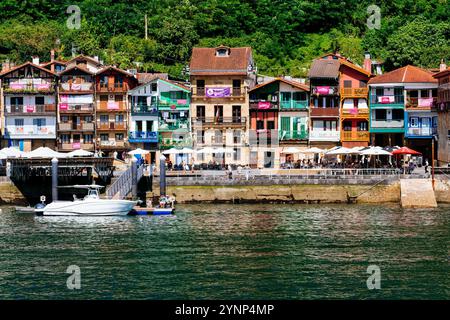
[(63, 106), (263, 105), (30, 108), (112, 106), (386, 99), (218, 92), (425, 102), (76, 145)]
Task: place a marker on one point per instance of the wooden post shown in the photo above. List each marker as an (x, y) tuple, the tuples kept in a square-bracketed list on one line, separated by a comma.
[(432, 162), (162, 175), (54, 179), (134, 181)]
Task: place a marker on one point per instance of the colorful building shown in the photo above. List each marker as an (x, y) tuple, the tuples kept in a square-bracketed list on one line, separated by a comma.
[(324, 102), (443, 109), (112, 85), (29, 106), (354, 112), (220, 78), (278, 119), (401, 109)]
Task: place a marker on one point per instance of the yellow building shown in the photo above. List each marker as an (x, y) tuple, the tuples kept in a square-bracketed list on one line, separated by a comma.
[(220, 78)]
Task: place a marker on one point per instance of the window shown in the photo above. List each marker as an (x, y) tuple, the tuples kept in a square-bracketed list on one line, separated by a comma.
[(40, 122), (347, 125), (218, 136), (103, 81), (118, 98), (222, 52), (414, 122), (424, 93), (259, 125), (88, 119), (39, 101), (397, 114), (119, 136), (380, 114), (201, 112), (299, 96), (119, 118), (237, 84), (18, 122), (64, 119), (435, 122), (347, 83), (270, 125), (237, 154), (201, 136), (103, 98), (362, 126), (237, 136), (104, 137), (104, 118), (65, 138), (362, 84), (236, 113), (16, 101), (88, 138), (154, 87), (118, 81), (413, 94), (200, 83)]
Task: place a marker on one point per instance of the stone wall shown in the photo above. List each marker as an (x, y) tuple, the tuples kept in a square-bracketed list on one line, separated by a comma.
[(442, 190), (304, 193), (9, 194)]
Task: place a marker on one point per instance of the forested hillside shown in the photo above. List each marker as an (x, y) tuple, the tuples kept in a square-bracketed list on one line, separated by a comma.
[(285, 34)]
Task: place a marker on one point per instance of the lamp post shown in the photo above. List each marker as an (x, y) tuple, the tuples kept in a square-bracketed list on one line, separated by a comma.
[(432, 161)]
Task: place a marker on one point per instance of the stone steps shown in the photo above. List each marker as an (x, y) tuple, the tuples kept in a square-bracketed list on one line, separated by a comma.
[(417, 193)]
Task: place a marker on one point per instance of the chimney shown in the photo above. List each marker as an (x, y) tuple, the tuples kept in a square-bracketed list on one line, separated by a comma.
[(367, 62), (52, 58), (96, 58), (442, 66), (5, 66), (35, 60)]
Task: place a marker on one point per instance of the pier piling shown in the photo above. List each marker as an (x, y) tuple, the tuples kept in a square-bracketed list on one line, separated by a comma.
[(54, 179), (134, 182), (162, 175)]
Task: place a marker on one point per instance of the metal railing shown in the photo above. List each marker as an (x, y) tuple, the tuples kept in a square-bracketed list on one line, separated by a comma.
[(123, 185)]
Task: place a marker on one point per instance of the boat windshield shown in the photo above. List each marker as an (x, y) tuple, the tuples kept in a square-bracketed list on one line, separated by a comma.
[(92, 194)]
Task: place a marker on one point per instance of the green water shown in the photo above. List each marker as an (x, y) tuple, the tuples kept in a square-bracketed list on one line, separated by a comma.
[(230, 252)]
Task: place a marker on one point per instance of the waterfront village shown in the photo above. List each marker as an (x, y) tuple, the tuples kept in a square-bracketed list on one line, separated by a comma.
[(226, 116)]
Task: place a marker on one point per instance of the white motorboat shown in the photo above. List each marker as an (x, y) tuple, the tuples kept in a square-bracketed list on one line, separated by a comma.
[(90, 205)]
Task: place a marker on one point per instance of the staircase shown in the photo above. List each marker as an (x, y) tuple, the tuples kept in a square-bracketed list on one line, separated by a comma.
[(417, 193), (122, 186)]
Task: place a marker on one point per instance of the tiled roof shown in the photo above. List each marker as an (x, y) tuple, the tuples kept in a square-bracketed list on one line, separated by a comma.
[(76, 68), (408, 74), (290, 82), (324, 68), (204, 61), (442, 73), (25, 64), (146, 77), (82, 56), (54, 61), (108, 68)]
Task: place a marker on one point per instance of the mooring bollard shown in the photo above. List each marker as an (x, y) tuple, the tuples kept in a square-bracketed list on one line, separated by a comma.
[(54, 179), (134, 181), (162, 175)]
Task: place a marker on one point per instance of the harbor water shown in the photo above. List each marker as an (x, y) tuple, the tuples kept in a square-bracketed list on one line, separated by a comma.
[(229, 252)]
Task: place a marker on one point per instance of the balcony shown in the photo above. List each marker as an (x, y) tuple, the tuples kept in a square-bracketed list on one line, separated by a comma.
[(76, 87), (30, 88), (69, 126), (349, 136), (32, 110), (420, 103), (76, 108), (384, 123), (217, 122), (173, 124), (354, 93), (112, 106), (324, 112), (421, 132), (170, 104), (67, 146), (219, 92), (387, 101), (167, 143), (111, 126), (30, 132), (320, 135), (292, 135), (355, 113), (143, 109), (143, 136), (116, 87), (263, 137), (294, 104)]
